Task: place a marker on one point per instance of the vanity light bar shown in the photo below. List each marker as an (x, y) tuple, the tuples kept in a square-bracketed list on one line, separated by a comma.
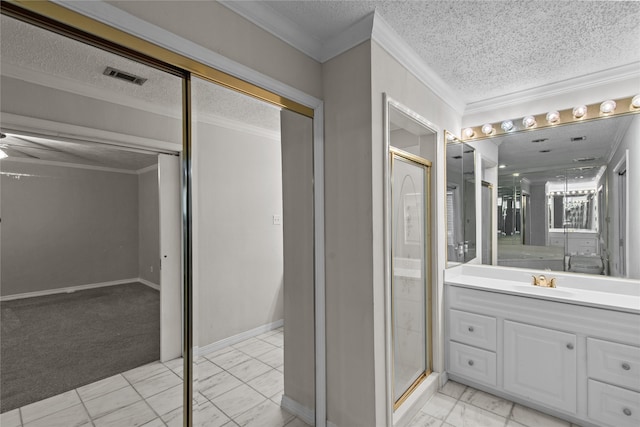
[(608, 108)]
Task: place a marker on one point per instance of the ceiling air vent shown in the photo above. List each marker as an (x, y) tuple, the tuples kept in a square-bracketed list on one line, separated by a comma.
[(457, 157), (121, 75), (539, 140), (584, 159), (578, 138)]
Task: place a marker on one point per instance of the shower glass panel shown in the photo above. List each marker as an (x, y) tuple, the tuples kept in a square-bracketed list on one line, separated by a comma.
[(410, 270)]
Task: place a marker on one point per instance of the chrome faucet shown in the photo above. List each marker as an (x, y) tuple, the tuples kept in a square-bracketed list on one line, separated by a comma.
[(542, 281)]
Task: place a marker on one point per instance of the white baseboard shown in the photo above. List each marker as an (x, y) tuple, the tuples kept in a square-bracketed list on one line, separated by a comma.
[(68, 290), (305, 414), (234, 339), (149, 284)]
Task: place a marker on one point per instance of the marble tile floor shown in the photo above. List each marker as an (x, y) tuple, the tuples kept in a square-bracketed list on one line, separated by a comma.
[(238, 386), (457, 405)]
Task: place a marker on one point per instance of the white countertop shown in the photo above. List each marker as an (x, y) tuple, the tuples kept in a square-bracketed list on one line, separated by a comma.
[(603, 292)]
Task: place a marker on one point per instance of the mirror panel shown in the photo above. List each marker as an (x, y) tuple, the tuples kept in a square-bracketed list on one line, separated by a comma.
[(563, 199), (461, 201)]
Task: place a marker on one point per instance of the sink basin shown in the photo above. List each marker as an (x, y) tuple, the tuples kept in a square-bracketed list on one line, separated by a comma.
[(539, 290)]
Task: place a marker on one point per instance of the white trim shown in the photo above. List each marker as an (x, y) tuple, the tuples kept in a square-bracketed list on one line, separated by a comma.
[(319, 267), (279, 26), (293, 407), (80, 88), (537, 93), (354, 35), (117, 18), (235, 125), (68, 290), (66, 165), (153, 167), (242, 336), (149, 284), (390, 41), (14, 123)]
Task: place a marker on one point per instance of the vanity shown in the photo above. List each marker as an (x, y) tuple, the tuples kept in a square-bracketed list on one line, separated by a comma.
[(571, 351)]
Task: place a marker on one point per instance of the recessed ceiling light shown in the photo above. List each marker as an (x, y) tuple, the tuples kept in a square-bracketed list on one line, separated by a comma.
[(516, 174), (502, 166)]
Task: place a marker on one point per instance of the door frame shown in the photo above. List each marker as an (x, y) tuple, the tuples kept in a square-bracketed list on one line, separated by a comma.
[(438, 239)]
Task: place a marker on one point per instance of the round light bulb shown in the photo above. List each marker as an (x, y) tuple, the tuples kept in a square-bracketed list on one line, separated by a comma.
[(580, 111), (507, 125), (608, 106), (529, 121), (468, 133), (635, 102), (553, 117), (487, 129)]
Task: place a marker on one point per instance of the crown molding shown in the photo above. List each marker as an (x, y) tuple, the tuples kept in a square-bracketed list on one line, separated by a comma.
[(68, 165), (67, 132), (277, 25), (584, 83), (390, 41), (357, 33), (237, 126)]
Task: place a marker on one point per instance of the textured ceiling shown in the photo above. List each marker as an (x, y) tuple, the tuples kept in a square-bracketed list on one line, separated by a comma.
[(485, 49), (81, 153)]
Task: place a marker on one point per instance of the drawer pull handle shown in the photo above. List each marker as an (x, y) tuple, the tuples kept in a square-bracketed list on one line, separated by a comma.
[(627, 412), (470, 362), (626, 366), (470, 328), (570, 346)]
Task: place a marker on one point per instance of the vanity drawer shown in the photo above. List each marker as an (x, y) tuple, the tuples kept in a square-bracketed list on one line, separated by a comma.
[(473, 363), (473, 329), (614, 363), (613, 406)]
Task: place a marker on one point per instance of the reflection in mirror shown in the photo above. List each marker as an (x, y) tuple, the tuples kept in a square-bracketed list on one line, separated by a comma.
[(563, 197), (461, 201)]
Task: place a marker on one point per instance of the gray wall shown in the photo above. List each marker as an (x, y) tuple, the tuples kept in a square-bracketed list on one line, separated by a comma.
[(66, 226), (297, 188), (238, 249), (349, 239), (213, 26), (538, 224), (149, 227)]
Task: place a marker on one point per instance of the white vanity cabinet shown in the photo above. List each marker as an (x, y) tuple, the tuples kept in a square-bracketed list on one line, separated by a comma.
[(540, 363), (573, 361)]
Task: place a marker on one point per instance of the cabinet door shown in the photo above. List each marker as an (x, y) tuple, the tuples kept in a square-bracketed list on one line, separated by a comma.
[(540, 365)]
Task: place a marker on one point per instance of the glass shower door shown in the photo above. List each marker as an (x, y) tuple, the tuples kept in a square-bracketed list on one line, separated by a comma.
[(410, 272)]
